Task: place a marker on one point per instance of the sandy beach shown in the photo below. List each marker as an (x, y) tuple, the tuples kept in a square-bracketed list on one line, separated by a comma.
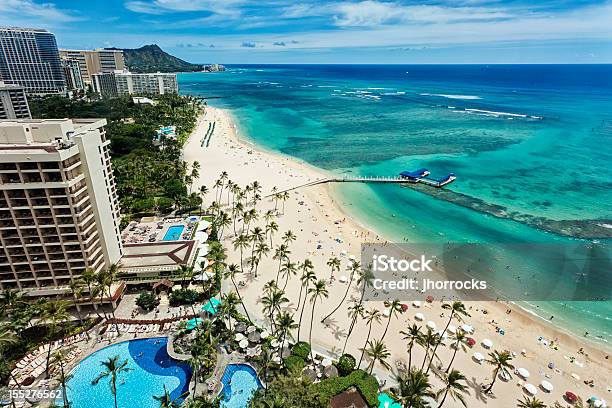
[(318, 221)]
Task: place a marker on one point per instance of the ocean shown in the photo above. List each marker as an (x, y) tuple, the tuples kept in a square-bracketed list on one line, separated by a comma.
[(530, 145)]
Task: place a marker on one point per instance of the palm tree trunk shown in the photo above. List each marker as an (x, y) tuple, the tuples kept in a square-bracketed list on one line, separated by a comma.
[(351, 327), (444, 398), (493, 382), (452, 359), (301, 314), (341, 302), (314, 301), (365, 344), (241, 301), (410, 356), (387, 326)]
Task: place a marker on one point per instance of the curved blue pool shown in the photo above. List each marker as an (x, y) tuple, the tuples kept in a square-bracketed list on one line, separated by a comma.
[(240, 381), (174, 233), (151, 369)]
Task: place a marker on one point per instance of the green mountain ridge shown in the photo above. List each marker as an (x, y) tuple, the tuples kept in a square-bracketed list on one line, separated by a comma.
[(151, 58)]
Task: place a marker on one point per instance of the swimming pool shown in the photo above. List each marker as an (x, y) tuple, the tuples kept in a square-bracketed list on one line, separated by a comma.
[(240, 381), (174, 233), (151, 369)]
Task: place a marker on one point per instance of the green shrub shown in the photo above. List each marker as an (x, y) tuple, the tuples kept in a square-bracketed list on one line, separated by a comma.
[(294, 364), (346, 365), (184, 297), (366, 383), (301, 349), (147, 301)]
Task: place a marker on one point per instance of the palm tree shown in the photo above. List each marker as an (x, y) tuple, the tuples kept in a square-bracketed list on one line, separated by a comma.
[(453, 385), (113, 368), (256, 236), (318, 291), (271, 228), (460, 337), (284, 196), (8, 338), (501, 362), (427, 341), (377, 351), (58, 358), (186, 273), (371, 316), (166, 401), (261, 249), (306, 267), (222, 221), (54, 314), (195, 362), (107, 279), (89, 279), (289, 269), (532, 402), (458, 311), (272, 301), (354, 311), (354, 267), (241, 242), (413, 335), (285, 324), (308, 277), (289, 237), (413, 387), (231, 272), (334, 265), (281, 253), (76, 288), (394, 308), (203, 192)]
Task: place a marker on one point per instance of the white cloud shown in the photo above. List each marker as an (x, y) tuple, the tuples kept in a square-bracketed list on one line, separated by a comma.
[(29, 13), (166, 6), (371, 13)]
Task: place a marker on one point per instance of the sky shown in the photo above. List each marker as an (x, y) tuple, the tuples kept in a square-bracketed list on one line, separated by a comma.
[(333, 31)]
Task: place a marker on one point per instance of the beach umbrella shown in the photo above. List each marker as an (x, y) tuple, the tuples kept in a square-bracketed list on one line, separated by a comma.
[(330, 371), (551, 365), (275, 343), (310, 373), (419, 317), (471, 341), (386, 313), (431, 325), (530, 388), (546, 386), (239, 336), (193, 323), (244, 343), (327, 362), (575, 376), (571, 397), (343, 279), (442, 335), (523, 373), (212, 306), (451, 329), (486, 343), (254, 337), (352, 257), (240, 327), (265, 334), (478, 357), (385, 401), (404, 307), (429, 299), (251, 329), (467, 328), (416, 303), (597, 404)]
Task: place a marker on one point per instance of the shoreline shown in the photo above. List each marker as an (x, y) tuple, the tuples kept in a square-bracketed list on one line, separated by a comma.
[(321, 199)]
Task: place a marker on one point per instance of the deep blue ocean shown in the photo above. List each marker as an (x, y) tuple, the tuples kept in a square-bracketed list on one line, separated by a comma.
[(530, 145)]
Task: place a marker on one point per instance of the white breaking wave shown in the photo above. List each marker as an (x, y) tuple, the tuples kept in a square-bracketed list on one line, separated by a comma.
[(466, 97)]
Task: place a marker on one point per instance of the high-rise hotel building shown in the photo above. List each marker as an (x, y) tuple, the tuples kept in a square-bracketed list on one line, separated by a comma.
[(59, 211), (94, 61), (118, 83), (29, 57), (13, 102)]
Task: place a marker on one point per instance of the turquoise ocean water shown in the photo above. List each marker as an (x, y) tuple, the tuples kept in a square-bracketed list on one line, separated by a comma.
[(530, 146)]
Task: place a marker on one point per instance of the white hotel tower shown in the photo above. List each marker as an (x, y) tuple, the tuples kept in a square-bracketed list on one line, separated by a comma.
[(59, 211)]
